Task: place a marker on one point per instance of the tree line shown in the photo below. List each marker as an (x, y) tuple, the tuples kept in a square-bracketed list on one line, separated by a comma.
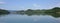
[(2, 11), (30, 11), (55, 10)]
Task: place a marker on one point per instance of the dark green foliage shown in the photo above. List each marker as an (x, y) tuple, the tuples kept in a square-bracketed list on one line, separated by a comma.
[(56, 15), (54, 10), (29, 11), (3, 11)]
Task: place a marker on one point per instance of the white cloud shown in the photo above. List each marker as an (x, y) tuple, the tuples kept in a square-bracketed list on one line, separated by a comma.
[(36, 6), (56, 5), (2, 2), (2, 8)]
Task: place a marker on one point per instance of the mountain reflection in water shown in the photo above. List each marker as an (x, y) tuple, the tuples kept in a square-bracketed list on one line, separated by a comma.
[(18, 18)]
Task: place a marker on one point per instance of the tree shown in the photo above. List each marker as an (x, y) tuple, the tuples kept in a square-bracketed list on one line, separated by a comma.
[(3, 11), (56, 9)]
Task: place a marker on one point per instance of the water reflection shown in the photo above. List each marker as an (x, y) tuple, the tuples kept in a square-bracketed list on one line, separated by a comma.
[(30, 18), (14, 18), (3, 15), (53, 14)]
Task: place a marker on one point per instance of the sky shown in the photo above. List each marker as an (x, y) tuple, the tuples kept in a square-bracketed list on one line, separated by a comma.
[(28, 4)]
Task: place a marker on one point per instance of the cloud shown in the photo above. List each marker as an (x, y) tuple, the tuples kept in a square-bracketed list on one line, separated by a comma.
[(2, 2), (36, 6), (56, 5)]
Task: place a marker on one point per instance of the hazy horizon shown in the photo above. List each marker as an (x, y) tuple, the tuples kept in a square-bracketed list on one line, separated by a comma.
[(28, 4)]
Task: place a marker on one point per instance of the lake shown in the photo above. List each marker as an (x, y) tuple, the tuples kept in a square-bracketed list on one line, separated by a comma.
[(17, 18)]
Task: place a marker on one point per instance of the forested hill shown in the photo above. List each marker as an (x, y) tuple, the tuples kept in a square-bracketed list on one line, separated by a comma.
[(2, 11)]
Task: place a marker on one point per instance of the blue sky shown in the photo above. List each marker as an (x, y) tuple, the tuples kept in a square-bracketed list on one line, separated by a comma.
[(28, 4)]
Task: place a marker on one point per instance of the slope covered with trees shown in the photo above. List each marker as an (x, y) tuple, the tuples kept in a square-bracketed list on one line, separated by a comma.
[(4, 11)]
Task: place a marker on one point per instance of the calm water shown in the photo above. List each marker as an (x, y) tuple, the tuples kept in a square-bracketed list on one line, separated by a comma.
[(15, 18)]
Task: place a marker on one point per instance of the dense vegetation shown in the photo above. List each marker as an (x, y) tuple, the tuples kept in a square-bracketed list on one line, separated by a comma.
[(30, 11), (54, 12), (4, 11)]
